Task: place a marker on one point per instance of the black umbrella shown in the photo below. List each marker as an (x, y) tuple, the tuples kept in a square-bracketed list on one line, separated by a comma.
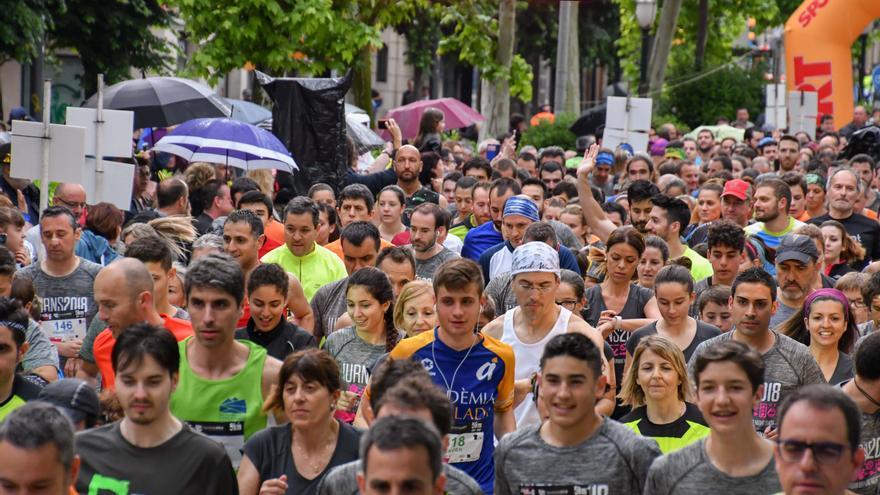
[(162, 101), (589, 121)]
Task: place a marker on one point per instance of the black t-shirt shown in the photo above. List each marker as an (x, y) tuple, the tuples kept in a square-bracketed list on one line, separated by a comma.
[(188, 463), (269, 451), (282, 340), (704, 331), (863, 229)]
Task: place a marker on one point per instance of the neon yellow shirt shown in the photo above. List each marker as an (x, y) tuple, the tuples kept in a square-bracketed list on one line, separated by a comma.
[(314, 270)]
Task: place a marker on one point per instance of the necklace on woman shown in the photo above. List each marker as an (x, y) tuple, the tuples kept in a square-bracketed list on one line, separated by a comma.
[(317, 461)]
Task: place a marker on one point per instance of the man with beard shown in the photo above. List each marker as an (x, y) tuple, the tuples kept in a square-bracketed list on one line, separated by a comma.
[(150, 450), (844, 188), (488, 234), (788, 364), (705, 143), (519, 214), (427, 225), (408, 166), (788, 150), (639, 195), (772, 201), (798, 274), (537, 318), (668, 219)]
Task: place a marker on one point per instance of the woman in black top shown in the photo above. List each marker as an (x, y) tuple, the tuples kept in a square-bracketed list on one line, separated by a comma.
[(826, 325), (674, 291), (267, 325), (295, 457), (618, 306)]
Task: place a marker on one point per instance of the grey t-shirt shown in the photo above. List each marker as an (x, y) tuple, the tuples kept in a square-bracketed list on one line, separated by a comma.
[(783, 313), (614, 460), (342, 480), (40, 351), (867, 478), (788, 365), (68, 303), (328, 304), (354, 357), (499, 290), (689, 470), (425, 269)]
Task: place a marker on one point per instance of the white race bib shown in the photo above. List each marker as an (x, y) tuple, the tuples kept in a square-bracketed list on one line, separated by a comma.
[(64, 330), (464, 447)]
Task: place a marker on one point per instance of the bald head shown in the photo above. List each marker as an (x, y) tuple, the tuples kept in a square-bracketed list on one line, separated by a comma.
[(124, 293), (128, 273), (71, 196)]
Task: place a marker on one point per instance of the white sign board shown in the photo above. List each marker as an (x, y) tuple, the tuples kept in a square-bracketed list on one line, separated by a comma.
[(116, 130), (803, 107), (774, 111), (627, 120), (113, 185), (66, 151)]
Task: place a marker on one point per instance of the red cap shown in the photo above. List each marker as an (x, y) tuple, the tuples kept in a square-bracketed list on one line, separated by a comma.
[(737, 188)]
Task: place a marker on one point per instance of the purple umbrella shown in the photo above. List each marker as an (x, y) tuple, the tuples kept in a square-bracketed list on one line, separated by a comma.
[(227, 142)]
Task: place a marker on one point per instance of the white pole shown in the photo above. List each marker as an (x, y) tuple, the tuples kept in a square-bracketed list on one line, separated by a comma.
[(99, 127), (44, 178)]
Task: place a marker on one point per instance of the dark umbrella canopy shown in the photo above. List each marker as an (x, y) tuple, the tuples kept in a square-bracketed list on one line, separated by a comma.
[(589, 121), (162, 101)]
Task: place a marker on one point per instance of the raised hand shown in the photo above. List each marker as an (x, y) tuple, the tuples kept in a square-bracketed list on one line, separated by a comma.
[(588, 162)]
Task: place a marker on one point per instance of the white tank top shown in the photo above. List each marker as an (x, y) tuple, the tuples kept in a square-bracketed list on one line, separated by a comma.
[(528, 360)]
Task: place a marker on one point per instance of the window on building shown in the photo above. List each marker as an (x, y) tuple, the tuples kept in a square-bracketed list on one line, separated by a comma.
[(382, 64)]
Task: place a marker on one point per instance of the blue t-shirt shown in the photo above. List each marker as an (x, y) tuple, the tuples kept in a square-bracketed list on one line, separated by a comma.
[(480, 239), (479, 382)]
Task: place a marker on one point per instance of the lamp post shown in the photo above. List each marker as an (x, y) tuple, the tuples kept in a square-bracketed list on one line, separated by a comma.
[(645, 12)]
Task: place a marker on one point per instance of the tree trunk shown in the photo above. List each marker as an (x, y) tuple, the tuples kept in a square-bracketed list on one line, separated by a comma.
[(563, 54), (495, 103), (572, 103), (662, 44), (702, 34), (361, 85)]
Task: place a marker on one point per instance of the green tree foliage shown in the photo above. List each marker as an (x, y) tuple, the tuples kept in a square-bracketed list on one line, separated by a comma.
[(112, 37), (727, 20), (474, 36), (23, 25), (718, 94), (551, 134)]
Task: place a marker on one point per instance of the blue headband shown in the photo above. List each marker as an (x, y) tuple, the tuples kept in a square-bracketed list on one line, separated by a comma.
[(604, 158), (522, 207)]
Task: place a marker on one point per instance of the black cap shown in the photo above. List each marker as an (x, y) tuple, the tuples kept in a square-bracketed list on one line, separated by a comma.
[(73, 397), (797, 247)]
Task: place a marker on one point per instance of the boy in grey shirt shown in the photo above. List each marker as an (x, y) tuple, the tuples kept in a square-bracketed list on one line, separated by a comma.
[(788, 364), (576, 450), (729, 378)]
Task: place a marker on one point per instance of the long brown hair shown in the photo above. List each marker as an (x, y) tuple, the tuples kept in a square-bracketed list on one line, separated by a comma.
[(428, 124)]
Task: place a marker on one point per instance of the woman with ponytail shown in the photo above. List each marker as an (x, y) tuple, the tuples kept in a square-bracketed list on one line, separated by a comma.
[(368, 297)]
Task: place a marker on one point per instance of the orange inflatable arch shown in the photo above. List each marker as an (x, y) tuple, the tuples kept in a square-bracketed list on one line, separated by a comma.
[(818, 51)]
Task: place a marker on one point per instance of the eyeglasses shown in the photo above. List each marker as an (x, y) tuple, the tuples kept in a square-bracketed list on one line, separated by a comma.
[(856, 303), (527, 287), (568, 304), (823, 452), (71, 204)]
